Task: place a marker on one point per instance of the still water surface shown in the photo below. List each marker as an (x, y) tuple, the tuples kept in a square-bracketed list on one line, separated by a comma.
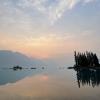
[(49, 84)]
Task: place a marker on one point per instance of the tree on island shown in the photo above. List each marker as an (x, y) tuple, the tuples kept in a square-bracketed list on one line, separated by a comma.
[(86, 59)]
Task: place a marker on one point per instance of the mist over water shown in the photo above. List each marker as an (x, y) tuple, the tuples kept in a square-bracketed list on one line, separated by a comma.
[(50, 81), (45, 84)]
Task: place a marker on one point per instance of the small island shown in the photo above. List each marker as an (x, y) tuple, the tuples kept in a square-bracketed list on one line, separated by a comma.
[(86, 60), (17, 67)]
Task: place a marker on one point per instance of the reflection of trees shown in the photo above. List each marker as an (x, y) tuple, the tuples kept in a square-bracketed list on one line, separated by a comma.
[(88, 77)]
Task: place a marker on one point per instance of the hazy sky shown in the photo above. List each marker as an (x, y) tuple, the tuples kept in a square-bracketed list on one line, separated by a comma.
[(49, 28)]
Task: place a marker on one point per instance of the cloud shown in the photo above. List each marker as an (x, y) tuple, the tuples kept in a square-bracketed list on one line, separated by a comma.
[(87, 1), (54, 10)]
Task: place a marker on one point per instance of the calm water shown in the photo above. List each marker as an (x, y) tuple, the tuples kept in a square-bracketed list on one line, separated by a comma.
[(57, 83)]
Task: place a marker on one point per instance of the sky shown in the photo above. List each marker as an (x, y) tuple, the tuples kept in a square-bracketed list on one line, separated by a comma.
[(49, 28)]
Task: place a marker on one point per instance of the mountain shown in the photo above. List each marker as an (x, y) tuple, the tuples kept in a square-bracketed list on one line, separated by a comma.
[(10, 58)]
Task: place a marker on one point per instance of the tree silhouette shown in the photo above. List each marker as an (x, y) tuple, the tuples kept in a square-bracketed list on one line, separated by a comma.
[(87, 59)]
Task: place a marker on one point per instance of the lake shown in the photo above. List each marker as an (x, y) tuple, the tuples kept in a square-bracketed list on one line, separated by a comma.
[(55, 83)]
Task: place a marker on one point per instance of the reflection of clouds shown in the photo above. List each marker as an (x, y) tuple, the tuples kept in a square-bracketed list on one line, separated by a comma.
[(44, 77), (37, 87), (33, 88)]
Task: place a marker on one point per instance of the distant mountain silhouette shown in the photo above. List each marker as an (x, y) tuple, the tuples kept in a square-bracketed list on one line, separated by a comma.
[(10, 59)]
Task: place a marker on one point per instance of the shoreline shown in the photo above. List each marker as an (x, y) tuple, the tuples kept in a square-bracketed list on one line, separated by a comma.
[(84, 67)]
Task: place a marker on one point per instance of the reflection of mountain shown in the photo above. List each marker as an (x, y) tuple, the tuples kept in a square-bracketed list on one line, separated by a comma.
[(9, 59), (88, 77), (10, 76)]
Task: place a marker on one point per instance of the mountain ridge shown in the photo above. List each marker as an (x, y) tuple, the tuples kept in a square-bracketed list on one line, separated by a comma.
[(10, 58)]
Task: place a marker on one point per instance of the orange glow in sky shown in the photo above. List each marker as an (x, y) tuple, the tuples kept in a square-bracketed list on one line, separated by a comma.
[(45, 46)]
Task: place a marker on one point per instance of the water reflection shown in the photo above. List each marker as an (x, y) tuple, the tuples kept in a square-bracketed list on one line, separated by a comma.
[(12, 76), (52, 84), (88, 77)]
